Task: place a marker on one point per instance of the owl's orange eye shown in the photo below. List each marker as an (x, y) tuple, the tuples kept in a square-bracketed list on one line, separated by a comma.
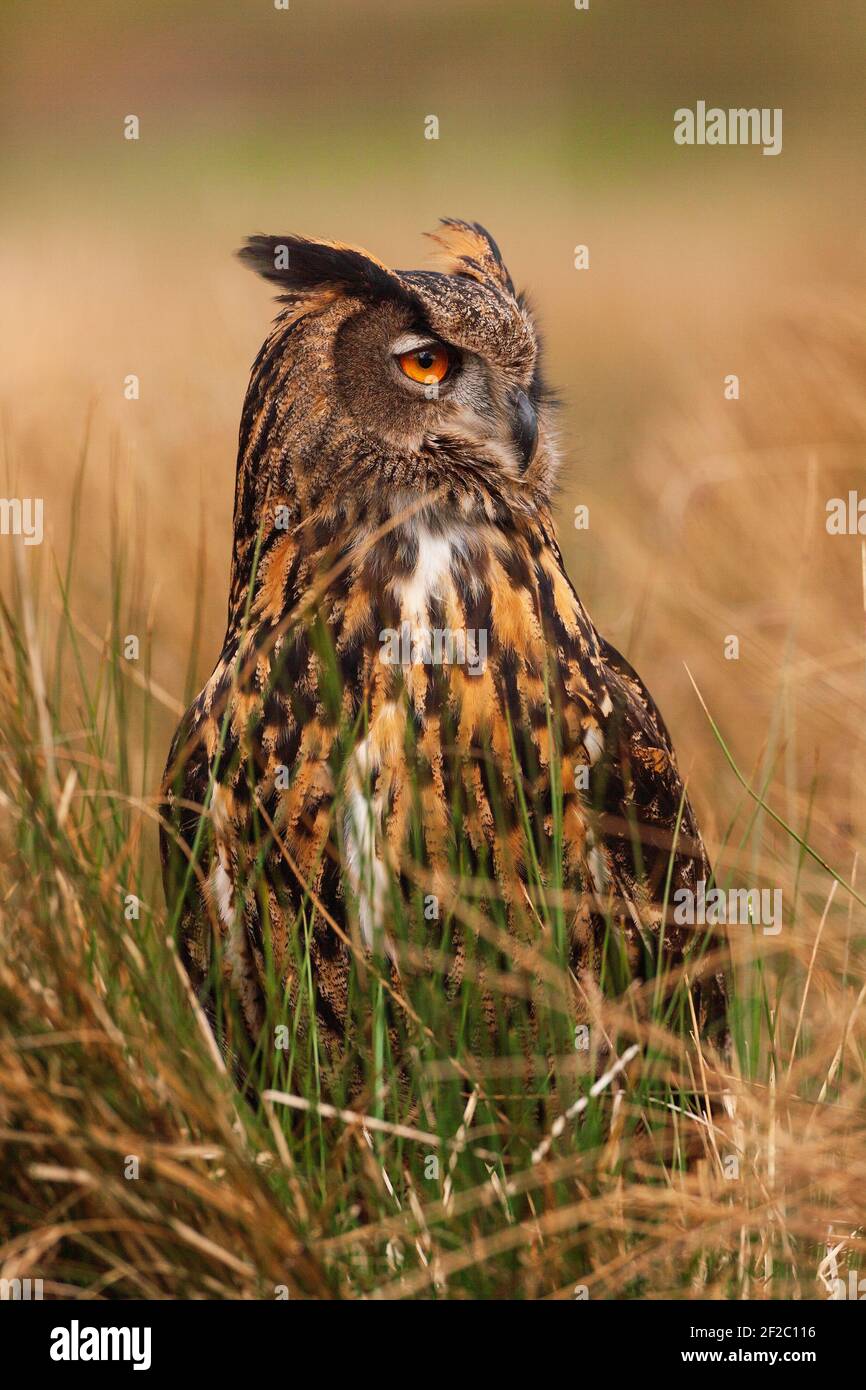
[(425, 364)]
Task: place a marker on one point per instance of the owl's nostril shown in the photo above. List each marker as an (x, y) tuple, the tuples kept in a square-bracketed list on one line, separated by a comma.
[(524, 427)]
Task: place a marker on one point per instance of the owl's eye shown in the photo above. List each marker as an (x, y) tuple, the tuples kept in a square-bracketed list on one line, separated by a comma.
[(427, 364)]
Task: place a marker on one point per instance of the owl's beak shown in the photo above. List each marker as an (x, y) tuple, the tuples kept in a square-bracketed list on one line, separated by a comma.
[(524, 427)]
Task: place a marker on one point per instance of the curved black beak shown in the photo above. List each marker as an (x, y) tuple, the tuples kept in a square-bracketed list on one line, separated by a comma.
[(524, 427)]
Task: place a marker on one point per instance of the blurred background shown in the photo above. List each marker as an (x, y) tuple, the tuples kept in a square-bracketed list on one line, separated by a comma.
[(707, 515)]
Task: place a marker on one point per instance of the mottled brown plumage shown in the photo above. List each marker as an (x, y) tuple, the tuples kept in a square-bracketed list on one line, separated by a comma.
[(368, 503)]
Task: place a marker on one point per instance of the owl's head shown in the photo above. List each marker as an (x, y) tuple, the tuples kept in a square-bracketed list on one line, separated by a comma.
[(379, 386)]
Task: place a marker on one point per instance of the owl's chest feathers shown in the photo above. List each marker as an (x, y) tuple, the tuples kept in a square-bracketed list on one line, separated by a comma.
[(462, 651), (431, 618), (438, 619), (485, 652), (484, 623)]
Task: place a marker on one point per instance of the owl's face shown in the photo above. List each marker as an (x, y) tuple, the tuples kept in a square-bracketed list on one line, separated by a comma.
[(398, 381)]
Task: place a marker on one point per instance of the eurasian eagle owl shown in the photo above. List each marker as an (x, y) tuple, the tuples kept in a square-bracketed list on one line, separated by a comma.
[(410, 694)]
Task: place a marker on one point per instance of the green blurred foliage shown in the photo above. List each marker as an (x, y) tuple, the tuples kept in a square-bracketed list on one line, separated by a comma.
[(336, 91)]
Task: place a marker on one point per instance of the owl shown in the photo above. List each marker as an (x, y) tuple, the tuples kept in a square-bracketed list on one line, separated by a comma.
[(410, 695)]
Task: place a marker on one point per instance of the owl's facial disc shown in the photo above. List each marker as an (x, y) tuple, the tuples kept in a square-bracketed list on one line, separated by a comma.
[(400, 380)]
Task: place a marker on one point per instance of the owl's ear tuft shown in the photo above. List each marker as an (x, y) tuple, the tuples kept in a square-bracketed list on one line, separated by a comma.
[(309, 270), (468, 249)]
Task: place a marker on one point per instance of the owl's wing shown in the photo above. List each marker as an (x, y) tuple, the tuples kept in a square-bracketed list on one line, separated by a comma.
[(185, 845), (247, 801), (204, 848), (654, 847)]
